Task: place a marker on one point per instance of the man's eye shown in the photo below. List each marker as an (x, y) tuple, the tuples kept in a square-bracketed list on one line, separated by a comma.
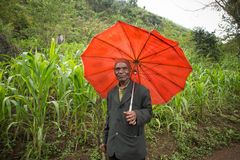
[(123, 68)]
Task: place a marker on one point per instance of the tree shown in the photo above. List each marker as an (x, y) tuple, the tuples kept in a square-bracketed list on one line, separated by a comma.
[(206, 43), (231, 9), (231, 16)]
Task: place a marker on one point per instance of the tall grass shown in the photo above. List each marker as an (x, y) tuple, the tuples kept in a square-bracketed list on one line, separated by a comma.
[(210, 88), (211, 91), (46, 104), (43, 91)]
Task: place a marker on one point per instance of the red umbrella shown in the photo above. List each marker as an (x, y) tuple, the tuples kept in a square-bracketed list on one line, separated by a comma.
[(159, 64)]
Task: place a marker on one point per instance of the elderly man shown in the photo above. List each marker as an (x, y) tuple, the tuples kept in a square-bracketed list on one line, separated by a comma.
[(124, 131)]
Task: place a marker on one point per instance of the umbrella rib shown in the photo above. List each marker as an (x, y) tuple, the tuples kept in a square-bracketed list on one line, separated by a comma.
[(186, 68), (170, 65), (181, 57), (163, 77), (155, 53), (144, 45), (149, 79), (173, 46), (163, 40), (129, 41), (114, 47)]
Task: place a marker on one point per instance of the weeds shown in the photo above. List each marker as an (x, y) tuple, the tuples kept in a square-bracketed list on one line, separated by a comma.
[(44, 96)]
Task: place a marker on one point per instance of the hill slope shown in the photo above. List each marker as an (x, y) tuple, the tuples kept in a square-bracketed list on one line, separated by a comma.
[(30, 24)]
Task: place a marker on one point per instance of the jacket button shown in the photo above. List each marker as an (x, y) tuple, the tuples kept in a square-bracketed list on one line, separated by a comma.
[(116, 133)]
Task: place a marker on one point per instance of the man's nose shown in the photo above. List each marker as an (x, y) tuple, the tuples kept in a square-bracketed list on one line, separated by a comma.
[(121, 70)]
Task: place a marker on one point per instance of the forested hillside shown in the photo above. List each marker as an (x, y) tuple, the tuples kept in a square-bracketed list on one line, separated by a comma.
[(49, 111), (26, 24)]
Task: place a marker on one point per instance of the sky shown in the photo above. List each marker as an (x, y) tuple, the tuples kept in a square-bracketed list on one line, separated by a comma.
[(183, 13)]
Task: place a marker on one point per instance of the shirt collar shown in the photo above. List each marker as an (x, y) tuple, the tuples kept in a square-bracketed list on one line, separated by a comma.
[(124, 86)]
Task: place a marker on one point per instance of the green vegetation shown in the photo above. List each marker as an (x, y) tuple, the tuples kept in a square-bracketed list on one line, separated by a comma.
[(49, 110), (206, 43)]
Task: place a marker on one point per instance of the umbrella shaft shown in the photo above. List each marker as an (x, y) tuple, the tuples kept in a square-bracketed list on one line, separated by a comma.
[(130, 107)]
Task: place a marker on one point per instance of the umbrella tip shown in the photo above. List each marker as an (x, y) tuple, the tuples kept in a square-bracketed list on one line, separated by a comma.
[(136, 62)]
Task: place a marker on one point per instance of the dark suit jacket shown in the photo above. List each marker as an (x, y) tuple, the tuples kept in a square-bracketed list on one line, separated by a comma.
[(126, 141)]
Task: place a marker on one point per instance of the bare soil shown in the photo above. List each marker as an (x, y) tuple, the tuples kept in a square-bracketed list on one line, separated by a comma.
[(163, 144), (231, 152)]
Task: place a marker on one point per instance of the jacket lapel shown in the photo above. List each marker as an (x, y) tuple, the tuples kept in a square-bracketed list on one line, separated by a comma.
[(116, 96)]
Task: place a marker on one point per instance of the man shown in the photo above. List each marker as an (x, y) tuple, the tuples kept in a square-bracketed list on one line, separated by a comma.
[(124, 131)]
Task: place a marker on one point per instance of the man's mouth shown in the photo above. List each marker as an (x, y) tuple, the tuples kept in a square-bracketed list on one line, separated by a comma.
[(121, 76)]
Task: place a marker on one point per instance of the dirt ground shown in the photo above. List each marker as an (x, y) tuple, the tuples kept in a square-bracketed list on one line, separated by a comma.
[(230, 153), (166, 145)]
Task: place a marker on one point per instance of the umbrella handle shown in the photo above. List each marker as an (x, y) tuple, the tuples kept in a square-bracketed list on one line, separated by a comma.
[(130, 107)]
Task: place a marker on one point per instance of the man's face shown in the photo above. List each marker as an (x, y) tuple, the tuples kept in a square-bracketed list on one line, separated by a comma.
[(122, 71)]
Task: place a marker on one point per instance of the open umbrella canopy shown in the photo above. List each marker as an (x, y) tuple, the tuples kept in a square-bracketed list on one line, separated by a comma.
[(157, 62)]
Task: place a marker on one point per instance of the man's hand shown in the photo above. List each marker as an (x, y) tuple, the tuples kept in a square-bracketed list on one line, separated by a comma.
[(131, 117), (103, 148)]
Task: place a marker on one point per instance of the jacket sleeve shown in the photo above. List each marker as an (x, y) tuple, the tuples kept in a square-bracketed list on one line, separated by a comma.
[(106, 128), (144, 114)]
